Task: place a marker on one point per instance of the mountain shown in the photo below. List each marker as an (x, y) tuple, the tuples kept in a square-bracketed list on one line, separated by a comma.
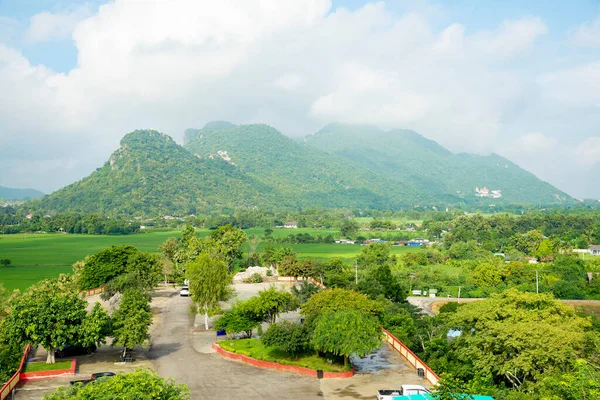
[(412, 159), (151, 174), (302, 175), (19, 194)]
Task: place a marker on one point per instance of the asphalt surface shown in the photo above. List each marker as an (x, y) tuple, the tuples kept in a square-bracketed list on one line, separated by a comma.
[(207, 375)]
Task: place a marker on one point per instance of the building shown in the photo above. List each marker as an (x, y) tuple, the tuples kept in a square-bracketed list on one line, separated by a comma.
[(594, 250), (291, 224), (485, 192)]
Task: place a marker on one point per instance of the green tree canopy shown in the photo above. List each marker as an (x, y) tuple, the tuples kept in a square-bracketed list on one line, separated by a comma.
[(131, 321), (328, 301), (142, 384), (210, 283), (226, 243), (289, 337), (518, 337), (105, 265), (49, 313), (346, 333), (269, 304)]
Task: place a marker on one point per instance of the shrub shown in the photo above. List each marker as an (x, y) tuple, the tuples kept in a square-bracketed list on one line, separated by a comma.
[(236, 320), (291, 338), (255, 278)]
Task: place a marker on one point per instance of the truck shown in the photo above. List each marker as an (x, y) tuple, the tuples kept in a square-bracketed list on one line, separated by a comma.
[(417, 392), (405, 390)]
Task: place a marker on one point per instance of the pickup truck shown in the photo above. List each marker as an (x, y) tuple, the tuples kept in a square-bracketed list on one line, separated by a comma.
[(94, 377), (416, 392), (405, 390)]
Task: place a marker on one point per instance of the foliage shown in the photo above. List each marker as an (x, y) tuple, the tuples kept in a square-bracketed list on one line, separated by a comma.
[(131, 321), (143, 271), (10, 357), (142, 384), (95, 327), (49, 314), (255, 278), (237, 320), (289, 337), (226, 243), (269, 304), (345, 333), (582, 383), (328, 301), (518, 337), (105, 265), (304, 290), (210, 283), (450, 388), (5, 262)]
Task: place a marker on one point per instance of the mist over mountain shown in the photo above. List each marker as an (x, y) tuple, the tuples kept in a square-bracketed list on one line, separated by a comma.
[(19, 194)]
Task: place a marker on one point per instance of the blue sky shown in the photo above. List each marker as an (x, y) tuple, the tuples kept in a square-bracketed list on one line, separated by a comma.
[(519, 78)]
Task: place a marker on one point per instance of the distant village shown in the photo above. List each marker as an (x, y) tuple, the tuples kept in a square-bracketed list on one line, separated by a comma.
[(485, 192)]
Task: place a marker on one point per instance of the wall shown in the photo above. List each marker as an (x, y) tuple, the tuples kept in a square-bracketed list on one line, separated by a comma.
[(411, 357), (14, 380)]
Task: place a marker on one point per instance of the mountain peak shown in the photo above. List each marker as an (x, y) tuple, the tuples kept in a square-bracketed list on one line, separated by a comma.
[(218, 125)]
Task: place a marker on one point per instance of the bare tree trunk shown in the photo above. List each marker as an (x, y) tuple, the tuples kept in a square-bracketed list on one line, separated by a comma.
[(206, 317), (50, 357)]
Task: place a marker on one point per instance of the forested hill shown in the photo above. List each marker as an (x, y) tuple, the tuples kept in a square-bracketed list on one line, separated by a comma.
[(151, 174), (412, 159), (19, 194), (303, 175)]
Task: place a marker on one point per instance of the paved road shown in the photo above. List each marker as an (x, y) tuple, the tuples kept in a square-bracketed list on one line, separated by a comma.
[(208, 375)]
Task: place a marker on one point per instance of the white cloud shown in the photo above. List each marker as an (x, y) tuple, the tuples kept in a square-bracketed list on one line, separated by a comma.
[(587, 34), (588, 152), (296, 65), (47, 26), (536, 143)]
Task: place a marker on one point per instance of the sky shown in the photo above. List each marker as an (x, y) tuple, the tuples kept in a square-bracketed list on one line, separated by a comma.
[(516, 78)]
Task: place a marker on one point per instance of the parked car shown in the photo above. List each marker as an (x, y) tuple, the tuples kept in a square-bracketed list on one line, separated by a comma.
[(71, 350), (95, 376), (405, 390), (185, 291)]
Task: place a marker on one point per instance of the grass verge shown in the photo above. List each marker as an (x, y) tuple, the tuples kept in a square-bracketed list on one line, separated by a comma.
[(256, 349), (42, 366)]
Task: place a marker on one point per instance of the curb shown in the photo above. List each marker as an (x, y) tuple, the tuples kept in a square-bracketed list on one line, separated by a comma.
[(279, 367), (27, 376)]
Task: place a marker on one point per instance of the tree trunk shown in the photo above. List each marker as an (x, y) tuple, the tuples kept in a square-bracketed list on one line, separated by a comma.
[(50, 357), (206, 317), (345, 360)]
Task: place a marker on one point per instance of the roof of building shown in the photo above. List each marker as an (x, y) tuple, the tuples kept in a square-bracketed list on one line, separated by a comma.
[(595, 247)]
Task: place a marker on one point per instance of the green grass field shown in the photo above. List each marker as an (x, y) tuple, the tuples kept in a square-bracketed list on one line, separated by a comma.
[(38, 256), (42, 366)]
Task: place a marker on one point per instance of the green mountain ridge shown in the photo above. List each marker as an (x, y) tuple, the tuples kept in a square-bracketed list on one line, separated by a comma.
[(151, 174), (429, 167), (7, 193), (225, 166)]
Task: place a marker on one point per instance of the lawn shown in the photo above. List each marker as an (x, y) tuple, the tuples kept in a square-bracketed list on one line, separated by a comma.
[(38, 256), (42, 366), (255, 349)]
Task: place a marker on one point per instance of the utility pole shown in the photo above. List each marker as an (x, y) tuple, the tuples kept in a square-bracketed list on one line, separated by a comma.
[(458, 295), (356, 272), (537, 282)]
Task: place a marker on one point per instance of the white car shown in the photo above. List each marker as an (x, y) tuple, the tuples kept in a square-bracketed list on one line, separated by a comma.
[(185, 291)]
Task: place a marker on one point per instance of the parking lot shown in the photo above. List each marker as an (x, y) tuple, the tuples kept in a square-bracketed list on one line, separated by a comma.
[(181, 350)]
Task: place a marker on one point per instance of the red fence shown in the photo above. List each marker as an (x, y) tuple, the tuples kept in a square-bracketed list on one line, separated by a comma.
[(92, 292), (411, 357), (279, 367), (14, 380)]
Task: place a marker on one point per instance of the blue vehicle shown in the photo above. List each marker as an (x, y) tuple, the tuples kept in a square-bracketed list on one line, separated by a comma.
[(418, 392)]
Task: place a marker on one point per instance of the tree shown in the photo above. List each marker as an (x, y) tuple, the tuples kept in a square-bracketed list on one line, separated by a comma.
[(328, 301), (49, 313), (5, 262), (269, 304), (519, 337), (450, 388), (304, 291), (226, 243), (289, 337), (105, 265), (345, 333), (582, 383), (486, 275), (210, 283), (95, 327), (142, 271), (348, 228), (236, 320), (142, 384), (131, 321)]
